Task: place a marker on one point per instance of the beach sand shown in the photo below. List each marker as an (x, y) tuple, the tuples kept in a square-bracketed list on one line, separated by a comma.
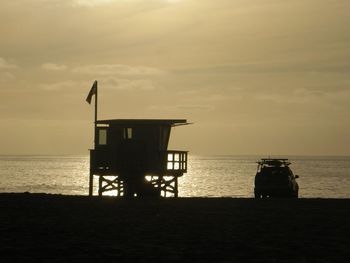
[(55, 228)]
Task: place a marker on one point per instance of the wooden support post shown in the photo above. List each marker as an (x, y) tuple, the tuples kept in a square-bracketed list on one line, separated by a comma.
[(159, 183), (100, 185), (175, 190), (118, 187), (91, 183)]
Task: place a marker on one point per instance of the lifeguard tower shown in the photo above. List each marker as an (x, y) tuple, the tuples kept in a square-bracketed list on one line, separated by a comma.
[(131, 157)]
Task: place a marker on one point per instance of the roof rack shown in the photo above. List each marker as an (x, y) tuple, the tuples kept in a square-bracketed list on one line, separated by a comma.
[(273, 162)]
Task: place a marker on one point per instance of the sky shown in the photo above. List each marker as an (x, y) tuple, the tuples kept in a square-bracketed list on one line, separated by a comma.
[(259, 77)]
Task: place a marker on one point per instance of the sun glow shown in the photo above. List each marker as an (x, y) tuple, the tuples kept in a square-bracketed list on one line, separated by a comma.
[(92, 3)]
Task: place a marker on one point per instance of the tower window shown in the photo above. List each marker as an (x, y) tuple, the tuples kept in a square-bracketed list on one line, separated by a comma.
[(102, 136), (127, 133)]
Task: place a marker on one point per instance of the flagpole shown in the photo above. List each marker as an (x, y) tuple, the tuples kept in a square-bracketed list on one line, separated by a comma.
[(95, 139), (93, 91)]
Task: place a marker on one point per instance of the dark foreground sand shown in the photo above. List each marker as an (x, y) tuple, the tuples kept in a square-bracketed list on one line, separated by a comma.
[(53, 228)]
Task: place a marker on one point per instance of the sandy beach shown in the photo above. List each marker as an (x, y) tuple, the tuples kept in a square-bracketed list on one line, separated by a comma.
[(55, 228)]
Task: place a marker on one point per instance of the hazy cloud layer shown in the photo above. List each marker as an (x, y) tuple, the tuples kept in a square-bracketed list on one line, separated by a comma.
[(127, 84), (6, 65), (116, 69), (92, 3), (6, 69), (53, 67), (248, 73), (64, 86)]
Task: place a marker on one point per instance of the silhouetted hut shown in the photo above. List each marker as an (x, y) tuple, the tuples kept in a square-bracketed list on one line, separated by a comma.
[(131, 157)]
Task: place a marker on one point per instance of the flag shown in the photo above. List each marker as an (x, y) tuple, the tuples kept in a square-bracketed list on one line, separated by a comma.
[(93, 91)]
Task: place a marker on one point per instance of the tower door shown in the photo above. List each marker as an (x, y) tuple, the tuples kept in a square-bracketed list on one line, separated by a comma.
[(132, 156)]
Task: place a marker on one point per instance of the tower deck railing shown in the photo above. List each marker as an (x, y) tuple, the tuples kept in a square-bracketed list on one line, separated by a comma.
[(176, 161), (172, 162)]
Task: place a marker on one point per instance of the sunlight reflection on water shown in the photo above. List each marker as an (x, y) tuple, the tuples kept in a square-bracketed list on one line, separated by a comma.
[(218, 176), (44, 174), (208, 176)]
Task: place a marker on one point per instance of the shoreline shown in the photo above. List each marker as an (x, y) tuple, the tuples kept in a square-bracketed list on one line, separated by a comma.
[(61, 228), (78, 196)]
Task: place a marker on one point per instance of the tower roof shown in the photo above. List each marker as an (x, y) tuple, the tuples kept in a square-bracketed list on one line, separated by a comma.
[(171, 122)]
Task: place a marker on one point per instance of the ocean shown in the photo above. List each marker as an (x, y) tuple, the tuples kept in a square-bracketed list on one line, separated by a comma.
[(208, 176)]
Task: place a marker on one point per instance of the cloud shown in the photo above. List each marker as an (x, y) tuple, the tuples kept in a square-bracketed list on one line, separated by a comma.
[(108, 83), (182, 108), (6, 76), (60, 85), (53, 67), (94, 3), (117, 69), (91, 3), (122, 77), (128, 84), (6, 65), (272, 67)]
